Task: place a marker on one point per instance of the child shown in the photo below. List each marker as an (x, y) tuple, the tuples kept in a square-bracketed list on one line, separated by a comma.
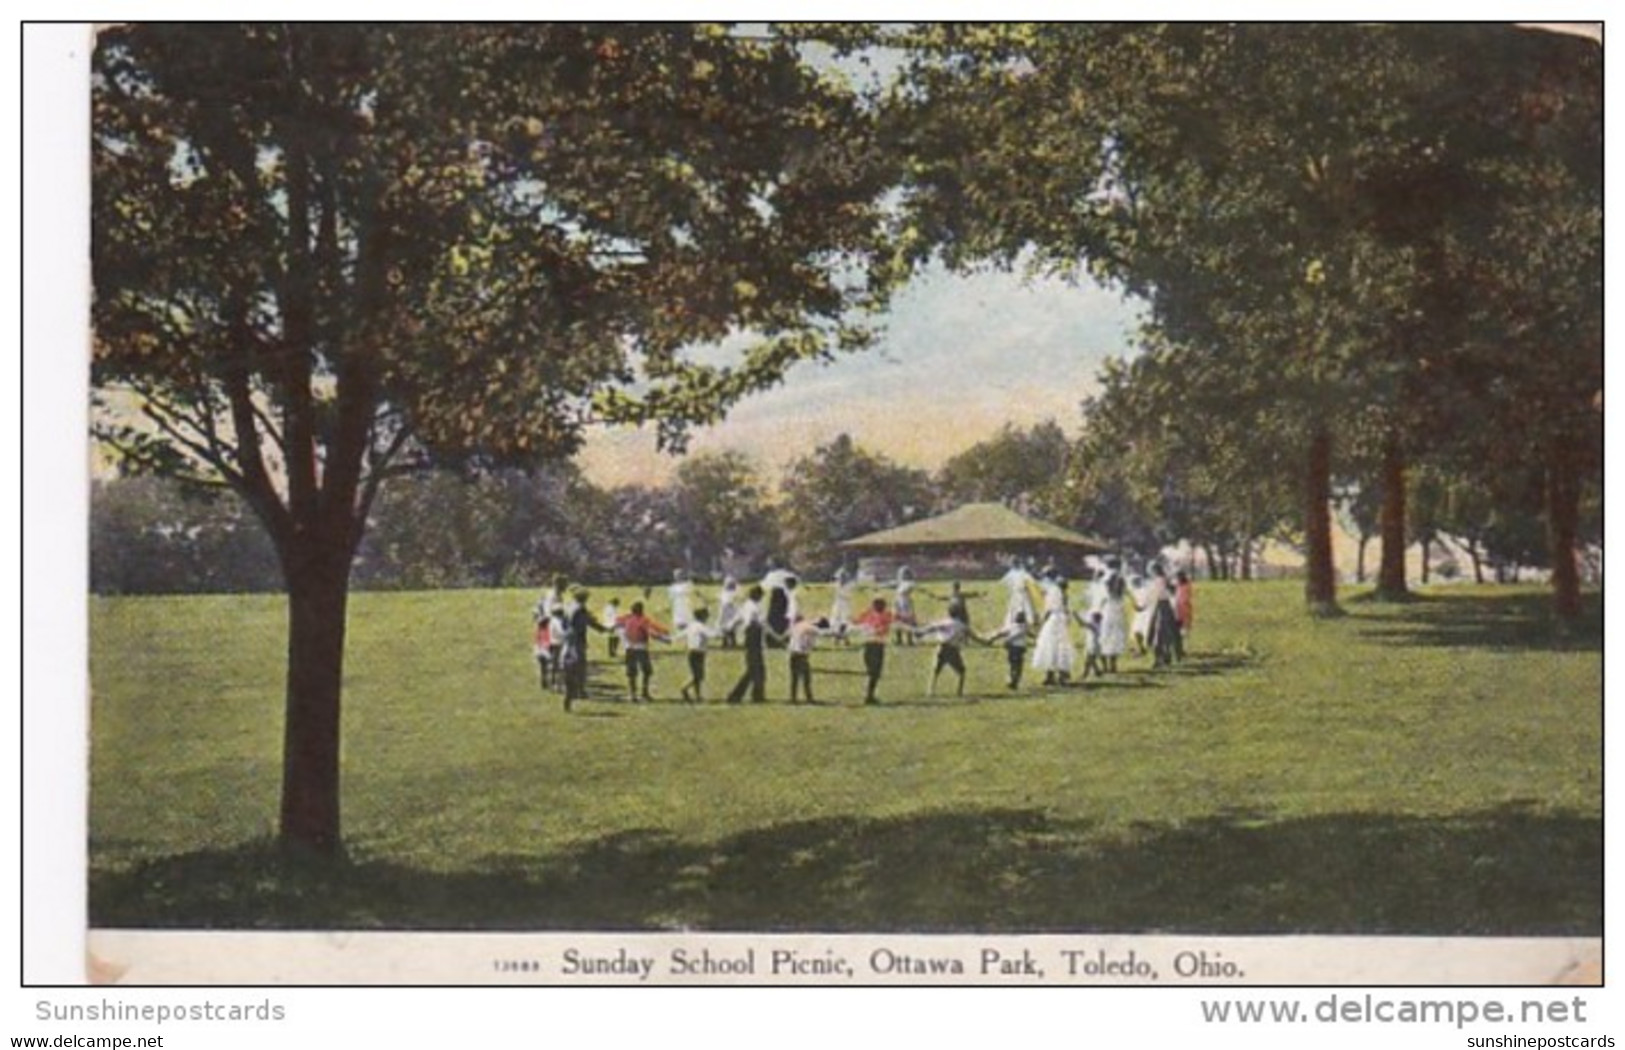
[(1093, 659), (728, 612), (876, 624), (550, 608), (959, 604), (612, 616), (803, 636), (558, 635), (1184, 611), (639, 631), (1140, 591), (543, 649), (904, 617), (697, 634), (1015, 637), (951, 635), (840, 612)]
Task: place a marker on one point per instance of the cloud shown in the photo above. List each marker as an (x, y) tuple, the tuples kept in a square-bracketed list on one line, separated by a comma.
[(960, 357)]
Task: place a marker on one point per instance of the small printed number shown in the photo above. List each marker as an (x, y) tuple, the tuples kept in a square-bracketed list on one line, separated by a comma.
[(516, 965)]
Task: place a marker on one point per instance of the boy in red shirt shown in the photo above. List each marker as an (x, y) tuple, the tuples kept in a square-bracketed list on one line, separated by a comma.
[(639, 631), (876, 624)]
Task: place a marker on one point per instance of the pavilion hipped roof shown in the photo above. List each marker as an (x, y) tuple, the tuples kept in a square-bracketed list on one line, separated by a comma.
[(977, 524)]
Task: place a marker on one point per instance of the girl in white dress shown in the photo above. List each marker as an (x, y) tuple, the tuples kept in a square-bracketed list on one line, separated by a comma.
[(1018, 581), (1113, 621), (840, 610), (728, 612), (1054, 654), (682, 599), (1139, 589), (903, 607)]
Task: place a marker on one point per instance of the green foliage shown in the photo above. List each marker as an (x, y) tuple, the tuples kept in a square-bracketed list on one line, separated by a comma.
[(1390, 232), (505, 229), (1194, 454), (723, 511), (483, 529), (157, 536), (841, 491), (1023, 468)]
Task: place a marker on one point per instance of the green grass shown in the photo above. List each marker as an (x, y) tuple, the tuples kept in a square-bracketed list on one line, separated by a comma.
[(1433, 767)]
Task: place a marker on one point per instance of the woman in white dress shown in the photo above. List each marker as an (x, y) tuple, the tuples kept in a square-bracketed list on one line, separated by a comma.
[(1054, 653)]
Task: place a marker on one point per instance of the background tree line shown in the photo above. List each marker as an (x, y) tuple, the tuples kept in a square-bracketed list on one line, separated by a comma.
[(507, 527)]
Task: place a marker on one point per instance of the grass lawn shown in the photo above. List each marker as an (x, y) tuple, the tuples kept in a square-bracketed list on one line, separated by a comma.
[(1432, 767)]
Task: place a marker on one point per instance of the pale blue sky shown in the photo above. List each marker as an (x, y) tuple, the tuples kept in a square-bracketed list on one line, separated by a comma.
[(960, 356)]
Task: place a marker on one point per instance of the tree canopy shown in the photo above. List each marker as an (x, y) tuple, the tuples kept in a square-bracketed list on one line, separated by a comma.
[(326, 253), (1339, 219)]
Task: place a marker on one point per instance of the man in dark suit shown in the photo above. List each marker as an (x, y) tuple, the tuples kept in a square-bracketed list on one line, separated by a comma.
[(575, 649), (751, 618)]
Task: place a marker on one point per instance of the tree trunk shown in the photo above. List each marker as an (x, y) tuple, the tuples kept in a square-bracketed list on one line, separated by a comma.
[(1427, 557), (1320, 585), (1359, 561), (1247, 560), (1215, 570), (318, 593), (1391, 584), (1562, 529), (1477, 555)]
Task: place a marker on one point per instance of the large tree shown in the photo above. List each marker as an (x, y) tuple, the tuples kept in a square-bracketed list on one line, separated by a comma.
[(326, 253), (1288, 199), (723, 512), (841, 490)]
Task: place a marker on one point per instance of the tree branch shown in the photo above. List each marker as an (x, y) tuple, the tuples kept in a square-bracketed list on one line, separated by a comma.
[(171, 423), (256, 486), (380, 469)]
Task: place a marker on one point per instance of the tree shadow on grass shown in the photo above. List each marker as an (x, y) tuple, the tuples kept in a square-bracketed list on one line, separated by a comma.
[(1484, 621), (1507, 871)]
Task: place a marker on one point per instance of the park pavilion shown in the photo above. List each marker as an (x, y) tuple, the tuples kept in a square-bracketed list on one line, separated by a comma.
[(976, 540)]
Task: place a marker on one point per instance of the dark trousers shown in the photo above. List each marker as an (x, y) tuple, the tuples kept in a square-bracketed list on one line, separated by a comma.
[(638, 663), (1017, 655), (575, 680), (800, 676), (696, 667), (1166, 645), (755, 677), (874, 662)]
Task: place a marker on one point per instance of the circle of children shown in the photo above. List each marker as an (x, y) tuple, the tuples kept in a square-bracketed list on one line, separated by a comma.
[(770, 615)]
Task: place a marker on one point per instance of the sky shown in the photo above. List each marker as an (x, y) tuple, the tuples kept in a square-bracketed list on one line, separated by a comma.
[(959, 357)]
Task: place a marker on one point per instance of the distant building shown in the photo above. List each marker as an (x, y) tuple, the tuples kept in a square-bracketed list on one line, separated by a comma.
[(975, 540)]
